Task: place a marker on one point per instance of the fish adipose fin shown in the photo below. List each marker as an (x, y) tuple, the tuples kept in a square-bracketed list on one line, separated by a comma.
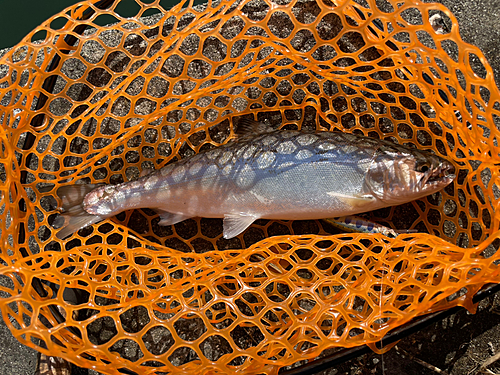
[(146, 172), (234, 224), (248, 128), (74, 217), (169, 218)]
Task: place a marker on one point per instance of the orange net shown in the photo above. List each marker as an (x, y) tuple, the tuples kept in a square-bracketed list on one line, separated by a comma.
[(102, 103)]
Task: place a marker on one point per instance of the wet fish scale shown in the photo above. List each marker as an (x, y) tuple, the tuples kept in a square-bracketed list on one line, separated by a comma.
[(279, 175)]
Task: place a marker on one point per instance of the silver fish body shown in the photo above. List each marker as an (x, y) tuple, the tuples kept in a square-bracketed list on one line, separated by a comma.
[(278, 175)]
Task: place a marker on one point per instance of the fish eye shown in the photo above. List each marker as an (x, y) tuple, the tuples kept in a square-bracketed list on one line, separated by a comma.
[(423, 168)]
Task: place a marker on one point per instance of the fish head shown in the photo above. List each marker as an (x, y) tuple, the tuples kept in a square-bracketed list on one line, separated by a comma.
[(398, 174)]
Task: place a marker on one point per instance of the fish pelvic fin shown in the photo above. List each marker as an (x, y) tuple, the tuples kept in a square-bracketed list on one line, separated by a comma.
[(234, 224), (170, 218), (74, 217)]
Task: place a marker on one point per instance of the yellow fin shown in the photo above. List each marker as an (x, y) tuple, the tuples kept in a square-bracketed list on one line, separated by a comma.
[(355, 200)]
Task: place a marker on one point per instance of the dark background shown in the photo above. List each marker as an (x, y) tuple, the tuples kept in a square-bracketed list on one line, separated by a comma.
[(19, 17)]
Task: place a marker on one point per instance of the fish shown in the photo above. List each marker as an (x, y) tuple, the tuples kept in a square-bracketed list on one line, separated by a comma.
[(267, 174), (360, 225)]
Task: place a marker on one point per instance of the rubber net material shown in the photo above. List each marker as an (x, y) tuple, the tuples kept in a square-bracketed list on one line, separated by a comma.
[(100, 104)]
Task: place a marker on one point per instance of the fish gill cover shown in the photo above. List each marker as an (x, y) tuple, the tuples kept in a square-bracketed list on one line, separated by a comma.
[(100, 104)]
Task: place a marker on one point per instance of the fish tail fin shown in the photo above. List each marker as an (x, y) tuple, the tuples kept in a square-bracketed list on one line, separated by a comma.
[(74, 217)]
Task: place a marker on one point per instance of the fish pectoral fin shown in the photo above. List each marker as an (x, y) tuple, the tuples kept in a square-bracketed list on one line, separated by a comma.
[(354, 200), (234, 224), (170, 218)]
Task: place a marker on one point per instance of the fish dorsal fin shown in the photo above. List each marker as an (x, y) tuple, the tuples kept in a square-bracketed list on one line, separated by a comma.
[(234, 224), (247, 128)]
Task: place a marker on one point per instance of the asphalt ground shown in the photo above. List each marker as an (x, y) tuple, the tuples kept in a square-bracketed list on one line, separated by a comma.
[(457, 345)]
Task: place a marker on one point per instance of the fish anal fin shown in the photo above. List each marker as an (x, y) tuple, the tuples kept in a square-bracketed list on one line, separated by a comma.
[(170, 218), (248, 128), (234, 224)]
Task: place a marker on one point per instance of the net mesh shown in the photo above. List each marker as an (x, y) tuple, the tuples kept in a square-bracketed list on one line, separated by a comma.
[(100, 104)]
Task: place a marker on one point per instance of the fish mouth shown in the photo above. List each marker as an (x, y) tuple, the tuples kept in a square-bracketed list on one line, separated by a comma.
[(444, 174)]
